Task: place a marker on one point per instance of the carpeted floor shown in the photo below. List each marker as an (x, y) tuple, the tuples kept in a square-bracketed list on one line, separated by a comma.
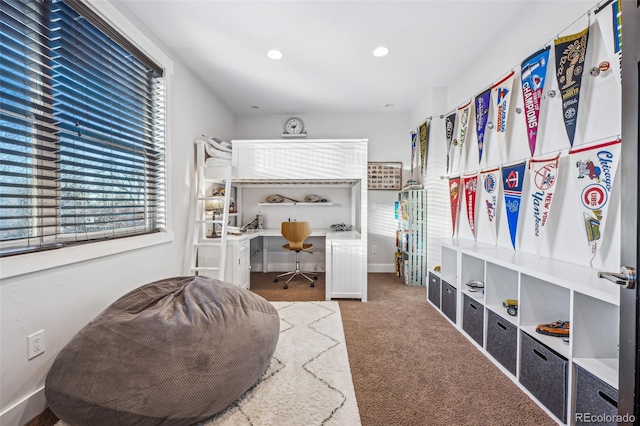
[(409, 365)]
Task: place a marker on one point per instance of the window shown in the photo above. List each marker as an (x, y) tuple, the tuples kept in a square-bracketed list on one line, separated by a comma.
[(81, 130)]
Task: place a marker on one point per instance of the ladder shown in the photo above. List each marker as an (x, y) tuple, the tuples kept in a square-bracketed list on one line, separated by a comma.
[(220, 175)]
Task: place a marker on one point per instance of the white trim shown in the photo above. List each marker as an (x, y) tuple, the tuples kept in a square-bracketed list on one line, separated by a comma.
[(32, 262), (381, 267), (117, 20), (26, 409)]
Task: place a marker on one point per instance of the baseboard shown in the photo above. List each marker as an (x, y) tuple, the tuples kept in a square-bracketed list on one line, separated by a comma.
[(22, 412), (381, 267)]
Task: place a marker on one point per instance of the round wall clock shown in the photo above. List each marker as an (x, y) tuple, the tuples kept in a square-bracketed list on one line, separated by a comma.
[(293, 126)]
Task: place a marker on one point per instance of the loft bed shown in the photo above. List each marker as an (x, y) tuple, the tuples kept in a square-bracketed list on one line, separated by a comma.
[(303, 163)]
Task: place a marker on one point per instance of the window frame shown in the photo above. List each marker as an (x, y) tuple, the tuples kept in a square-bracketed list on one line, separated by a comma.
[(30, 262)]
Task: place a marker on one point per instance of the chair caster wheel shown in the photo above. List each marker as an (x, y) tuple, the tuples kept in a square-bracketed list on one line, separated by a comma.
[(313, 285), (315, 278), (285, 287), (275, 280)]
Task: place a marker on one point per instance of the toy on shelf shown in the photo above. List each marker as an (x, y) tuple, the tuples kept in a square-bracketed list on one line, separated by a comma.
[(556, 329), (474, 285), (512, 307)]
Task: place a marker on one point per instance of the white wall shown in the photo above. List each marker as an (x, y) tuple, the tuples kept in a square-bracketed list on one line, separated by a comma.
[(389, 140), (599, 117), (64, 299)]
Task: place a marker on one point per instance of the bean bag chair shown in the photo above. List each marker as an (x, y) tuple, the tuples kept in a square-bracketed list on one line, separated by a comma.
[(172, 352)]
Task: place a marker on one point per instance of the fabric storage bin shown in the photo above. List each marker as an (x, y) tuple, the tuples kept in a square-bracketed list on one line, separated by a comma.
[(473, 318), (502, 341), (433, 292), (594, 398), (449, 300), (544, 373)]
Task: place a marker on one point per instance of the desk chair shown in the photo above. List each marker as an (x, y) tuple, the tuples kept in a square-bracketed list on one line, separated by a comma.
[(296, 233)]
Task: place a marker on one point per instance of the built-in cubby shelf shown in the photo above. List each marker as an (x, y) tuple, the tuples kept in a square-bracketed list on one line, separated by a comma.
[(546, 291)]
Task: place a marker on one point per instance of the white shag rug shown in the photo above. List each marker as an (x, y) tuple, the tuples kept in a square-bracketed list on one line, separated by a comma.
[(308, 381)]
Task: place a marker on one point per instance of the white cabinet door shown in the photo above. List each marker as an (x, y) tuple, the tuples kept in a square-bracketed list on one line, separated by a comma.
[(345, 274), (242, 276)]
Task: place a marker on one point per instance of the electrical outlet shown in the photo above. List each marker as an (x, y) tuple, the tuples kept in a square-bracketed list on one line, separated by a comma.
[(374, 249), (35, 344)]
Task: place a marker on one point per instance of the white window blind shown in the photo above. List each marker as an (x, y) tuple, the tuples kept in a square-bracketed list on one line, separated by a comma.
[(81, 130)]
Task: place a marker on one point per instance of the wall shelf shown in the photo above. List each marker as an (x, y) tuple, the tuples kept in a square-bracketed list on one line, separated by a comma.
[(295, 204)]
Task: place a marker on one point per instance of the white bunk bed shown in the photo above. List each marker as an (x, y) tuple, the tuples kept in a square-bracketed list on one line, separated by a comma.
[(320, 163)]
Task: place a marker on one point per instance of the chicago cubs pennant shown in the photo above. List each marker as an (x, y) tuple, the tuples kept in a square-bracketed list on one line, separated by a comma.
[(595, 169), (449, 125), (610, 22), (470, 189), (512, 178), (462, 119), (490, 180), (482, 114), (570, 55), (424, 140), (454, 198), (502, 98), (543, 176), (534, 71)]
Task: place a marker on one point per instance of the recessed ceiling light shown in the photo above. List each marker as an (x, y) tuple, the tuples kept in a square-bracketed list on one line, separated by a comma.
[(388, 105), (274, 54), (381, 51)]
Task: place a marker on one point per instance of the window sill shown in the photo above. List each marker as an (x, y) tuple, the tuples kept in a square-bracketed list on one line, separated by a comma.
[(34, 262)]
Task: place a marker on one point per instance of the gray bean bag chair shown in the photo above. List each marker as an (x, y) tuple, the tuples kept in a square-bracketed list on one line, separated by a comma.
[(173, 352)]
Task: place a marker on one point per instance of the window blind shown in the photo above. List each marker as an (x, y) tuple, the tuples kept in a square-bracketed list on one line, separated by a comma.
[(81, 129)]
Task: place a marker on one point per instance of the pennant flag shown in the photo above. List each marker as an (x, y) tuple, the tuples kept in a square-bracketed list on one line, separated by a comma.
[(610, 23), (490, 180), (543, 177), (502, 98), (462, 118), (470, 189), (424, 138), (570, 55), (512, 178), (534, 71), (414, 135), (454, 198), (483, 101), (595, 170), (449, 125)]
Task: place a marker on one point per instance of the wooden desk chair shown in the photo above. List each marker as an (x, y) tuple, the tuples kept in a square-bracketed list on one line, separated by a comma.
[(296, 233)]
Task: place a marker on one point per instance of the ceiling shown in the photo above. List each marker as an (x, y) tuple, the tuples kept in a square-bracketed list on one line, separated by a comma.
[(328, 66)]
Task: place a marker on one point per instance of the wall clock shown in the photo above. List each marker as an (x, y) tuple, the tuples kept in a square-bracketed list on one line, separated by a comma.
[(294, 126)]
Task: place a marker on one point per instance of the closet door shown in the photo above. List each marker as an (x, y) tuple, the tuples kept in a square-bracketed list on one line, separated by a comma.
[(629, 382)]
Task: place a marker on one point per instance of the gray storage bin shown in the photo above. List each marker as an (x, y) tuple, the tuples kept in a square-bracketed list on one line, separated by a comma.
[(449, 300), (502, 341), (594, 398), (434, 289), (544, 373), (473, 318)]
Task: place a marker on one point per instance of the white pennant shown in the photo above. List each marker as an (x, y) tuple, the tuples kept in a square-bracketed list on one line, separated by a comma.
[(595, 169), (501, 96), (489, 199), (543, 178)]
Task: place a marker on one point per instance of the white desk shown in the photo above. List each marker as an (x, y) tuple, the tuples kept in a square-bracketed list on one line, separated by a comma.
[(342, 273)]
